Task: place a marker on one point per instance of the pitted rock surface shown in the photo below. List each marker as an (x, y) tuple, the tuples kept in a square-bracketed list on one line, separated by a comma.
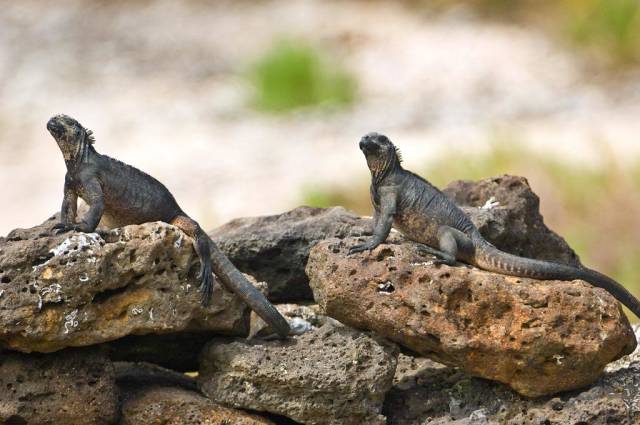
[(428, 392), (507, 213), (333, 375), (150, 405), (75, 386), (275, 248), (539, 337), (79, 289)]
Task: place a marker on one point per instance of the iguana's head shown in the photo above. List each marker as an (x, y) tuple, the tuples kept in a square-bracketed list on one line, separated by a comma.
[(71, 136), (380, 153)]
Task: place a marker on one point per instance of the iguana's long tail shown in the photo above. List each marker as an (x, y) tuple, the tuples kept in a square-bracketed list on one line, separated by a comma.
[(212, 258), (236, 282), (488, 257)]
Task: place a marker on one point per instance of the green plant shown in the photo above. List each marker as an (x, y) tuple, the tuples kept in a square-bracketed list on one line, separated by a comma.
[(292, 74), (612, 26)]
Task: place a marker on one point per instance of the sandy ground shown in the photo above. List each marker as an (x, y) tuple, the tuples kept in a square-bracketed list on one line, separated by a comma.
[(161, 85)]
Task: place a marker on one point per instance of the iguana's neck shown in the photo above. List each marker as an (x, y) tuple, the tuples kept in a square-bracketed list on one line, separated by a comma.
[(82, 156), (383, 168)]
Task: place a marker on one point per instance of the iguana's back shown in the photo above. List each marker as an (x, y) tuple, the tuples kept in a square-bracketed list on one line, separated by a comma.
[(423, 208), (131, 196)]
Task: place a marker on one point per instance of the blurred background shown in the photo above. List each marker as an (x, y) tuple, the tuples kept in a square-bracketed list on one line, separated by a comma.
[(255, 107)]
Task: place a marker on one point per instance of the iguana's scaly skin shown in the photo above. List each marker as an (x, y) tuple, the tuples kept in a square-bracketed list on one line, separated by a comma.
[(119, 194), (424, 214)]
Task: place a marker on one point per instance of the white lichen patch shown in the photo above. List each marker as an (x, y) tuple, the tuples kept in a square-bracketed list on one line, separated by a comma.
[(71, 321), (52, 291), (77, 242), (491, 203), (558, 358), (136, 310)]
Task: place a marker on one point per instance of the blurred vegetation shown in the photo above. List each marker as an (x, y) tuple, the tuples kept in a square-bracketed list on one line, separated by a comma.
[(292, 74), (610, 26), (606, 30), (595, 209)]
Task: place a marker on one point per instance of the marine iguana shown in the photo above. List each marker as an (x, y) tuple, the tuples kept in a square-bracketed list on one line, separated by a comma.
[(425, 215), (119, 195)]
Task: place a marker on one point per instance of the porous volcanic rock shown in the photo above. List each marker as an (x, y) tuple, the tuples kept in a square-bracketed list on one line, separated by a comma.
[(539, 337), (151, 405), (79, 289), (275, 248), (74, 386), (507, 213), (428, 392), (333, 375)]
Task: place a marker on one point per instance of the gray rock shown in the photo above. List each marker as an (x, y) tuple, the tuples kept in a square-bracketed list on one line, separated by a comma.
[(428, 392), (507, 213), (80, 289), (275, 249), (333, 375), (75, 386)]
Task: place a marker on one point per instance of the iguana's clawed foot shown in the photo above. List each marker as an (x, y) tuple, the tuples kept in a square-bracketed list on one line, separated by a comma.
[(360, 248), (206, 286), (68, 227), (441, 257)]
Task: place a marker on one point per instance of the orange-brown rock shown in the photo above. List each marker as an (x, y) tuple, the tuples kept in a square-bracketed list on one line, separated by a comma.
[(79, 289), (539, 337), (175, 406)]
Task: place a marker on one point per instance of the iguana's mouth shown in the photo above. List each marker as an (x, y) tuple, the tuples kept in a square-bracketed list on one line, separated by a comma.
[(367, 146), (54, 127)]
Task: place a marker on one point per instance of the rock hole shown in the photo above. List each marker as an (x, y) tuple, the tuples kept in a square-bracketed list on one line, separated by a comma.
[(384, 254), (15, 420), (5, 279), (352, 272), (386, 287)]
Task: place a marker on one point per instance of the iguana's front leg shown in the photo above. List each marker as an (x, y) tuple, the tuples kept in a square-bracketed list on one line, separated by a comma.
[(95, 199), (383, 220), (69, 208)]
